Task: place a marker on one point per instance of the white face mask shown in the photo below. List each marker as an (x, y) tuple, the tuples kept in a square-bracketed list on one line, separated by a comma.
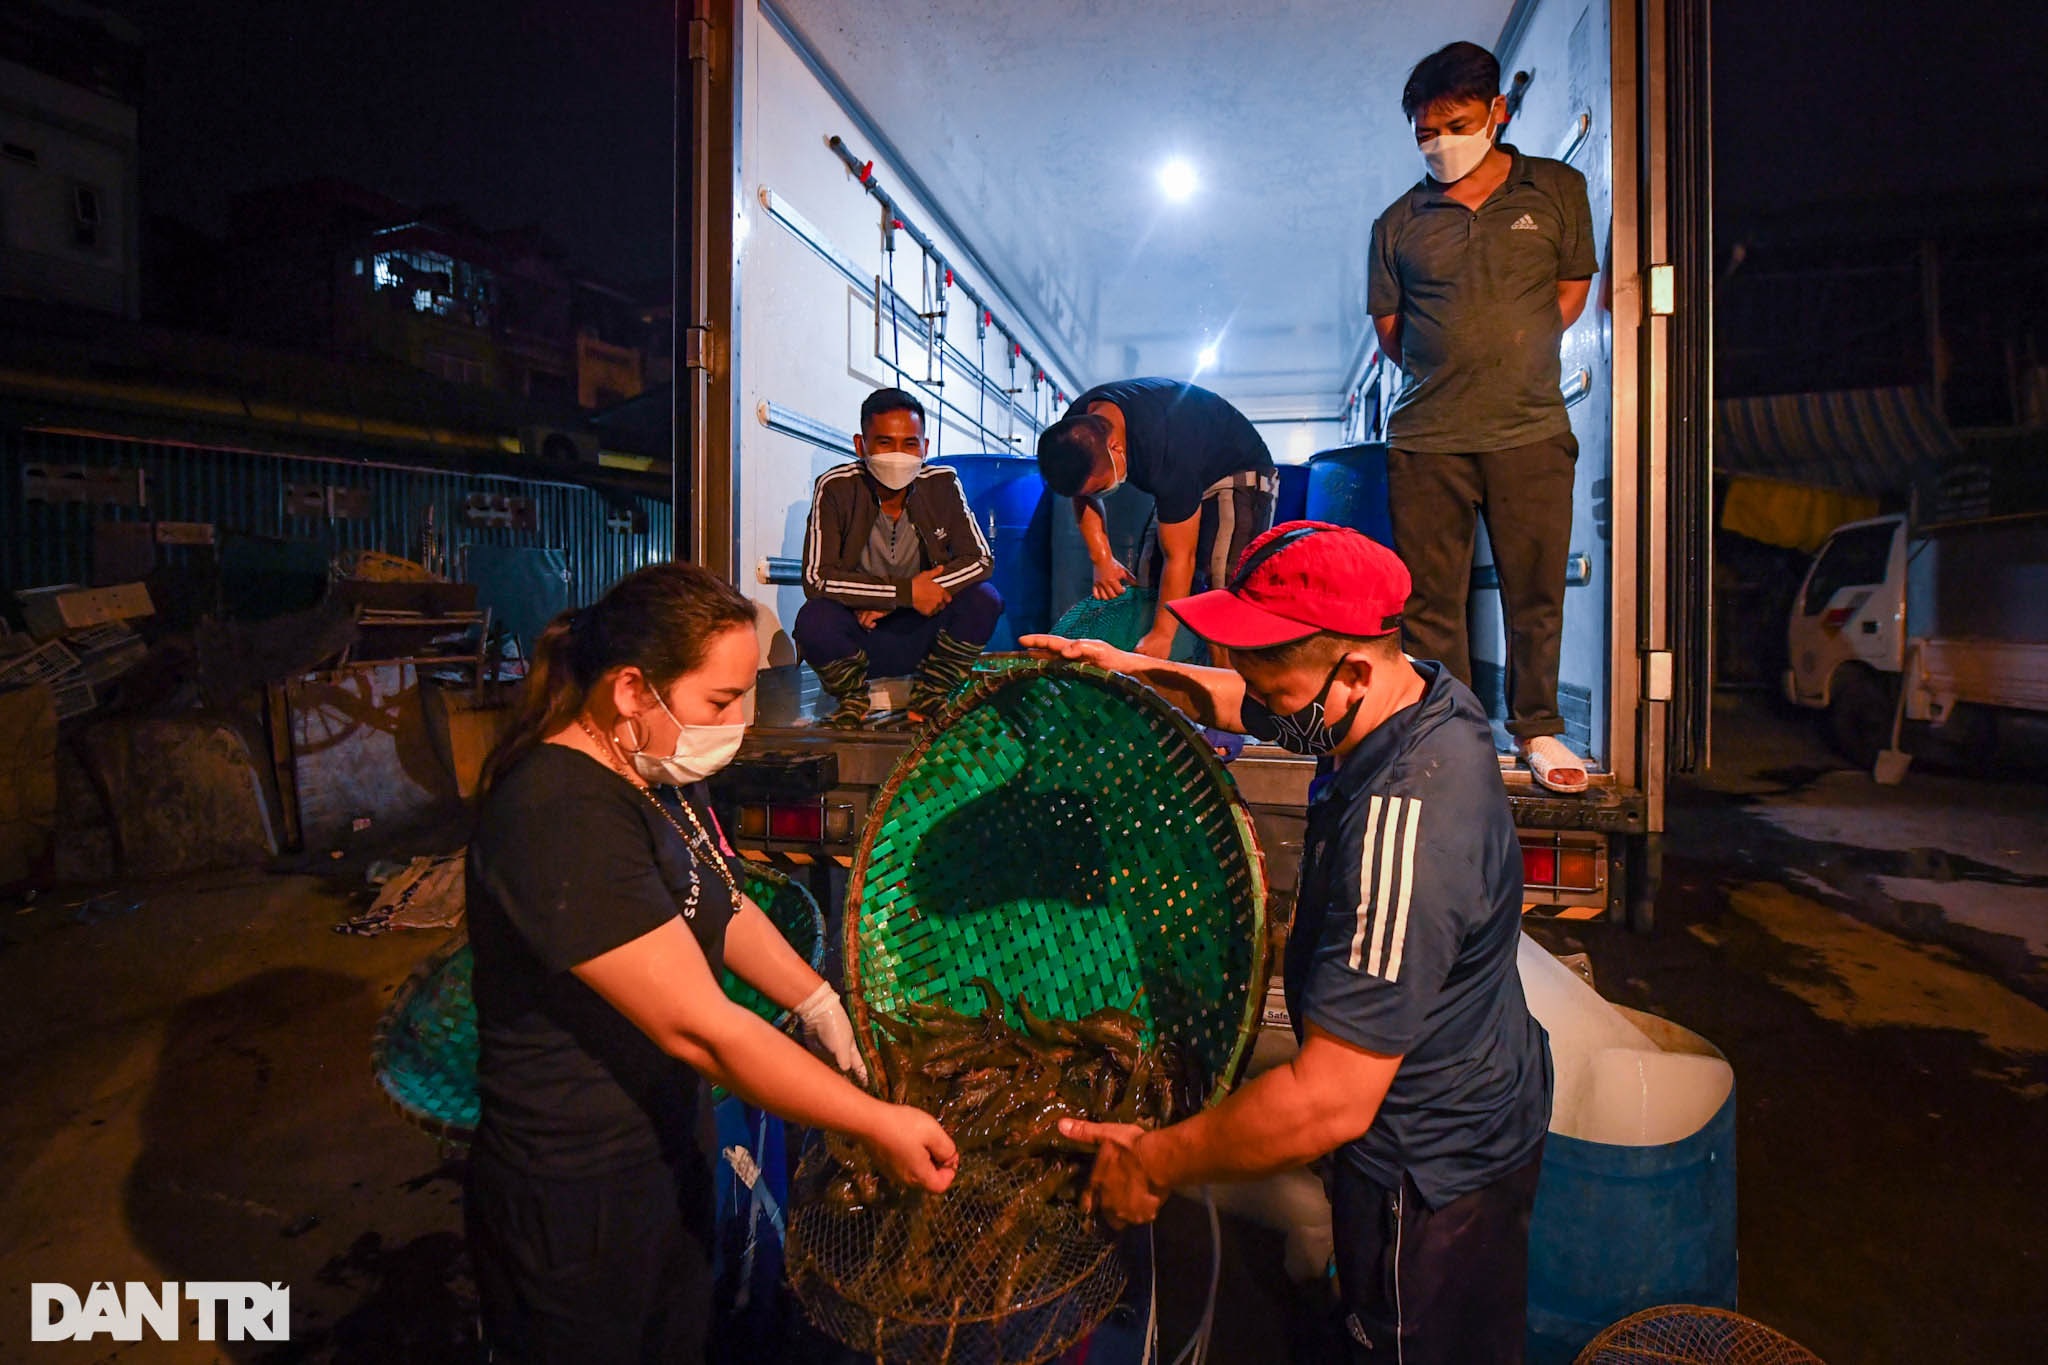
[(701, 750), (1451, 157), (894, 469)]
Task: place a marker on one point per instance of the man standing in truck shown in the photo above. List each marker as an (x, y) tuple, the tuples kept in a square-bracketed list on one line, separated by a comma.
[(895, 569), (1422, 1075), (1209, 473), (1474, 274)]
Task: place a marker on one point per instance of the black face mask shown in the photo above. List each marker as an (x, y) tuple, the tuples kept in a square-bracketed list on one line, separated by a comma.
[(1306, 731)]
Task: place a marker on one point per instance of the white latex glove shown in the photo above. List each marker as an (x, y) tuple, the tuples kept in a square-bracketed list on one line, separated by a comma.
[(831, 1031)]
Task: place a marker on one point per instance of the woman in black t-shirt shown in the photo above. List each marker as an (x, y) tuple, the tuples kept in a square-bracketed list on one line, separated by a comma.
[(600, 912)]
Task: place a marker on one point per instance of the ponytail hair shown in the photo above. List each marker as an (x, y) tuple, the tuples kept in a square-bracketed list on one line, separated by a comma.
[(662, 619)]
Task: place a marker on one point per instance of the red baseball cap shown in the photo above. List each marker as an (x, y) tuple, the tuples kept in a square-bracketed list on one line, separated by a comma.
[(1299, 578)]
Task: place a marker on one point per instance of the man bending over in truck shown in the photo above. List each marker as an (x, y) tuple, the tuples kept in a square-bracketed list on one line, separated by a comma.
[(895, 569), (1422, 1075), (1209, 473), (1473, 275)]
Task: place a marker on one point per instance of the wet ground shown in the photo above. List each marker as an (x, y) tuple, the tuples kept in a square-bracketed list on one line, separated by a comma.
[(187, 1093), (1874, 962)]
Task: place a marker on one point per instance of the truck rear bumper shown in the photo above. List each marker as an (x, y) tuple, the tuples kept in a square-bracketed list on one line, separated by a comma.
[(801, 796)]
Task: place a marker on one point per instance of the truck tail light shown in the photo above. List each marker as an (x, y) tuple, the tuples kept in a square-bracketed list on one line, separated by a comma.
[(800, 822), (1837, 618), (1553, 866), (805, 822), (1578, 869)]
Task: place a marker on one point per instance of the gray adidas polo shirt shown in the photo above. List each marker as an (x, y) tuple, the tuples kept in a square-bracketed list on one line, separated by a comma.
[(1477, 296)]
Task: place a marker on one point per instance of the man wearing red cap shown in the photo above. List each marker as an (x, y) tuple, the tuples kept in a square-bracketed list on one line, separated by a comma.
[(1421, 1072)]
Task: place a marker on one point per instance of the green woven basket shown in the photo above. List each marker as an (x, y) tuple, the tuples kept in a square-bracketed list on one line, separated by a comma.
[(1122, 621), (424, 1054), (1065, 833)]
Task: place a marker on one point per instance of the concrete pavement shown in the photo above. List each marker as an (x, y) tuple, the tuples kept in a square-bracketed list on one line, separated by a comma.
[(188, 1098), (1872, 960)]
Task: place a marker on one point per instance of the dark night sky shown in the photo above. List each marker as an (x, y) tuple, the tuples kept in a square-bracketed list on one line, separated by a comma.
[(1818, 100), (518, 111), (559, 112)]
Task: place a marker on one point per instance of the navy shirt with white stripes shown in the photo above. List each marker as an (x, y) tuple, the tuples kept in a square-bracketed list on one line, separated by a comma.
[(1404, 941)]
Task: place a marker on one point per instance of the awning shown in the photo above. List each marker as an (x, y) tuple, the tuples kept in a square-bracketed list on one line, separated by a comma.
[(1869, 441), (1795, 516)]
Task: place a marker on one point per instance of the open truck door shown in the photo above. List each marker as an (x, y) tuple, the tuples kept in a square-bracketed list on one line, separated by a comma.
[(1637, 667), (873, 197)]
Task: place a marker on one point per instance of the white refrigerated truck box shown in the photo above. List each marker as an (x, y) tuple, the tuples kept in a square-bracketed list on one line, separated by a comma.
[(959, 198)]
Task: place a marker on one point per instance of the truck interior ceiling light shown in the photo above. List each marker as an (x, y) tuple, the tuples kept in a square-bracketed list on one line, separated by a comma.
[(1177, 180)]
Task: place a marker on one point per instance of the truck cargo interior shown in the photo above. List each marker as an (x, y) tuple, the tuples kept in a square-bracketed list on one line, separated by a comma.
[(996, 208)]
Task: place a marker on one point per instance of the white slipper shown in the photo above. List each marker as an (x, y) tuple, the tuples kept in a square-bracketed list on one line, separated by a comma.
[(1555, 766)]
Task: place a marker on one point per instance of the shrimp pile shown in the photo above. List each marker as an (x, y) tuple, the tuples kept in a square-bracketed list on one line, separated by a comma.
[(1000, 1091)]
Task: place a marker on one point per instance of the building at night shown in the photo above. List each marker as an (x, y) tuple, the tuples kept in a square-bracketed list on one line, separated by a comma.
[(327, 265), (69, 227), (1946, 293)]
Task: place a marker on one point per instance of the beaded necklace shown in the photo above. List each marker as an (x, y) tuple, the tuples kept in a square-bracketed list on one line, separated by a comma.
[(701, 846)]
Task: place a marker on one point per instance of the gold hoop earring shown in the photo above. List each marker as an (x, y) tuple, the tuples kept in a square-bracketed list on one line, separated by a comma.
[(636, 734)]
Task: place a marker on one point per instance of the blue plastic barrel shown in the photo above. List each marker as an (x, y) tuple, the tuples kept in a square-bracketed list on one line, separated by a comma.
[(1292, 504), (1618, 1229), (1008, 501), (1348, 486), (1073, 577), (750, 1181)]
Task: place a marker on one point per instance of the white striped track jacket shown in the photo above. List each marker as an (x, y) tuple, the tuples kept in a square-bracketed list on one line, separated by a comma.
[(844, 505)]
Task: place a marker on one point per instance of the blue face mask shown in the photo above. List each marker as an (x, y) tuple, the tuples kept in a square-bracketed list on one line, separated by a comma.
[(1306, 731)]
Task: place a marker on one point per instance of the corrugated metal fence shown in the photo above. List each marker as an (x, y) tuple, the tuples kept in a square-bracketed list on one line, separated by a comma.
[(245, 493)]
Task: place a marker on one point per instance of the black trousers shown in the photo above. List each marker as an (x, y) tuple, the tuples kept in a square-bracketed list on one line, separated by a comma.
[(826, 631), (1525, 493), (1423, 1286), (1232, 518), (608, 1271)]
